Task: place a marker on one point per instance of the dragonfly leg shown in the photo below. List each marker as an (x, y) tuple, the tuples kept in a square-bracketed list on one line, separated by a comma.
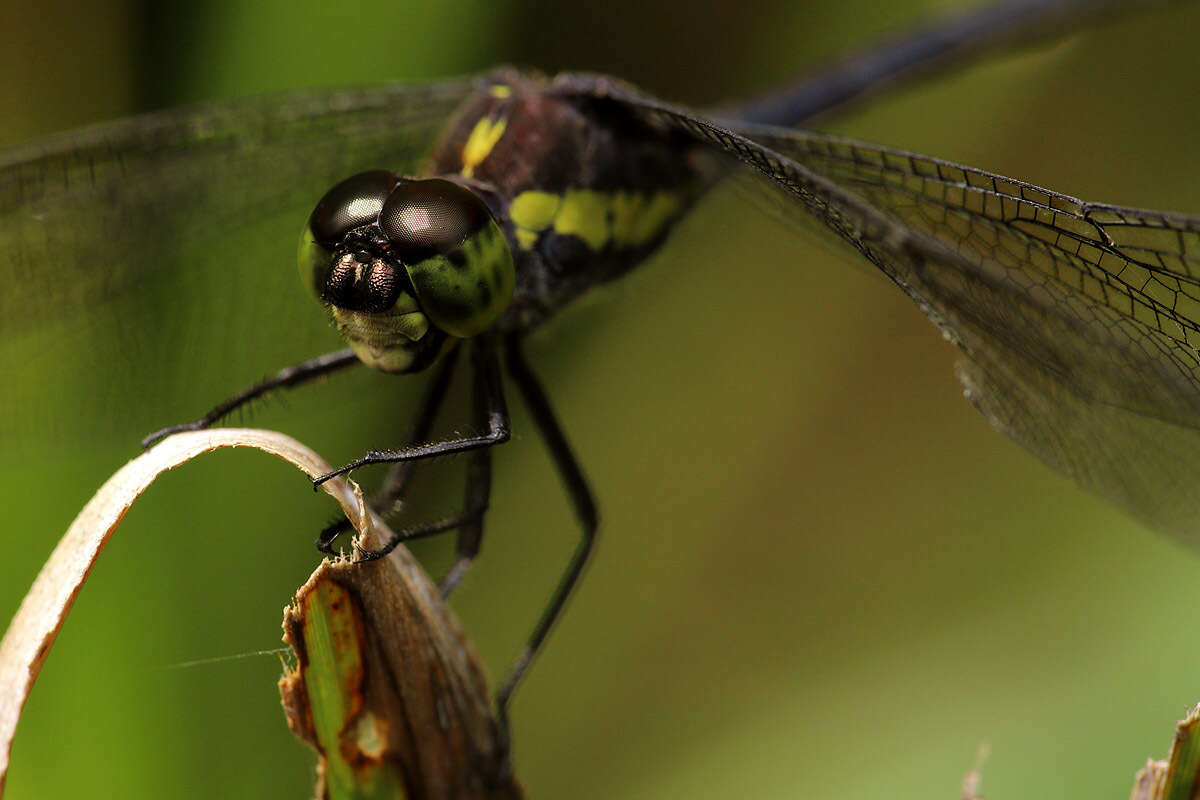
[(478, 495), (469, 521), (486, 368), (470, 534), (581, 500), (466, 517), (286, 378), (395, 483), (386, 501)]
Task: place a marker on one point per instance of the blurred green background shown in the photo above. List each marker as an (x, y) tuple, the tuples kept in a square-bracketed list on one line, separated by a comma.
[(821, 573)]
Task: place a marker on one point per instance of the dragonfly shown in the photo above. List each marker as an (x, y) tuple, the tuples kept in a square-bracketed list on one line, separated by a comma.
[(1077, 320)]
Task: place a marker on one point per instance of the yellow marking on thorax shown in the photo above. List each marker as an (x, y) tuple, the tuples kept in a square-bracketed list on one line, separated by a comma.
[(501, 91), (479, 144), (584, 212), (526, 238), (534, 210), (626, 219)]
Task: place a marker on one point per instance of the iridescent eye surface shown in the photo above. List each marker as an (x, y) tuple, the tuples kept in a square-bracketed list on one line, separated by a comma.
[(353, 203), (403, 264), (432, 217), (456, 254)]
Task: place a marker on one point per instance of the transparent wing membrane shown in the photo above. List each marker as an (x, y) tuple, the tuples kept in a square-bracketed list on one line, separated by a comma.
[(147, 265), (92, 213), (1079, 321), (1104, 298)]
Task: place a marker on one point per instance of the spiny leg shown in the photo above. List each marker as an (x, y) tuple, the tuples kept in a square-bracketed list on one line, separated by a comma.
[(491, 412), (286, 378), (477, 496), (422, 531), (470, 534), (469, 520), (581, 500), (486, 365), (395, 483)]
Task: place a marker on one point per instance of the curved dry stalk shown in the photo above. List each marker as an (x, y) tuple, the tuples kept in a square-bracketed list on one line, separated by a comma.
[(434, 730)]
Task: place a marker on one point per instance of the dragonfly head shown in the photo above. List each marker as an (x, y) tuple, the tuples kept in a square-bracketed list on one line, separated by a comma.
[(404, 266)]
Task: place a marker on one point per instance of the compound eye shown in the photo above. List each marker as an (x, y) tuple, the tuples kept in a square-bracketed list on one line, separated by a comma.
[(456, 254), (351, 204), (430, 218)]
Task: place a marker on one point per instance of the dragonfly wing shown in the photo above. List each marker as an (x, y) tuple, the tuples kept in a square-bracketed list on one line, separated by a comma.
[(92, 213), (1148, 466), (148, 266), (1107, 299), (1079, 321)]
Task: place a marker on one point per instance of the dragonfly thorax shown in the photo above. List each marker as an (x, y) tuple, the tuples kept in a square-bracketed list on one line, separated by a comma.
[(404, 266)]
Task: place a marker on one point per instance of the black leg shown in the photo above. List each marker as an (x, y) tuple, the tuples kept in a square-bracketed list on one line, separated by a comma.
[(465, 517), (469, 521), (582, 501), (478, 494), (479, 473), (386, 500), (284, 379), (475, 505), (487, 377), (395, 483)]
